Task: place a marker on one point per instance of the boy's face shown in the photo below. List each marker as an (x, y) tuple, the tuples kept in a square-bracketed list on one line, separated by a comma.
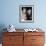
[(29, 11)]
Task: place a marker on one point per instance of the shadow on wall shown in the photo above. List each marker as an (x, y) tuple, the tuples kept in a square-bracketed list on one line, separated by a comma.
[(2, 26)]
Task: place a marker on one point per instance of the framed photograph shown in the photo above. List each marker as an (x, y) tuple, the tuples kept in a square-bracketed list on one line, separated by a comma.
[(26, 13)]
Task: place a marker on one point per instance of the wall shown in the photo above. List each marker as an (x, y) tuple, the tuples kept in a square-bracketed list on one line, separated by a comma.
[(10, 13)]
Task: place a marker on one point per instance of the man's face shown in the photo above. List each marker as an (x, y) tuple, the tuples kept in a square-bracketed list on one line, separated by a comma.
[(24, 11), (29, 11)]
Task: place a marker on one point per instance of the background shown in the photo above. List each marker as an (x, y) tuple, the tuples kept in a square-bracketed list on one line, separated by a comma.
[(9, 14)]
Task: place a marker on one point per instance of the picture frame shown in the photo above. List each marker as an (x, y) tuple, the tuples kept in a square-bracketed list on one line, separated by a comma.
[(26, 13)]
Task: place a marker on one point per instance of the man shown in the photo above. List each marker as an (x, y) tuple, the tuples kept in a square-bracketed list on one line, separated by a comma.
[(23, 14), (29, 14)]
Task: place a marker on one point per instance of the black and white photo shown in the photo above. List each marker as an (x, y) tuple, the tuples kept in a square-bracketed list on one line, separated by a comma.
[(26, 13)]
